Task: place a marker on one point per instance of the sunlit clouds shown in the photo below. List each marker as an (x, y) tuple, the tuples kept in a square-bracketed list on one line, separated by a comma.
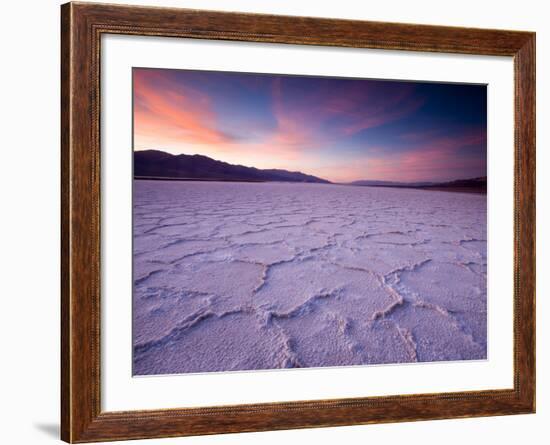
[(339, 129)]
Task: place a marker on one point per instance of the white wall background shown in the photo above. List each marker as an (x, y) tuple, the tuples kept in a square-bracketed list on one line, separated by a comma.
[(29, 235)]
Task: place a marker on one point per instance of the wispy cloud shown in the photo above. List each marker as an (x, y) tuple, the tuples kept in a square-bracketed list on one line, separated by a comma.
[(166, 110), (432, 156), (314, 119)]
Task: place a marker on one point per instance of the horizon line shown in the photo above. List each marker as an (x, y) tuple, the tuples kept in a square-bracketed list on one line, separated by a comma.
[(301, 171)]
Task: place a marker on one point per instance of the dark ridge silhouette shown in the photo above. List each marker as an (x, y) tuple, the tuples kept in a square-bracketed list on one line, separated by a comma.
[(155, 164)]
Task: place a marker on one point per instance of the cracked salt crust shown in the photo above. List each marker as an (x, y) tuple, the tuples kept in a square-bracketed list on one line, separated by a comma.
[(249, 276)]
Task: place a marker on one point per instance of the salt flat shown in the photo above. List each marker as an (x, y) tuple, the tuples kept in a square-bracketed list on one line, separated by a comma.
[(241, 276)]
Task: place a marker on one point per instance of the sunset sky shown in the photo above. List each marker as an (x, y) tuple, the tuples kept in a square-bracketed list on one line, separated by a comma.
[(338, 129)]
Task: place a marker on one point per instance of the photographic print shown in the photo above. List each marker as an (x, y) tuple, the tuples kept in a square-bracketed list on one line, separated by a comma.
[(284, 221)]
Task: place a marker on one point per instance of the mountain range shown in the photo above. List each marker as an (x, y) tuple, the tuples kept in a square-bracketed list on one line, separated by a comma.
[(155, 164)]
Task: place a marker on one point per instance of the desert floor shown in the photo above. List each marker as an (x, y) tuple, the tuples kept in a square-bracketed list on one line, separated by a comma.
[(242, 276)]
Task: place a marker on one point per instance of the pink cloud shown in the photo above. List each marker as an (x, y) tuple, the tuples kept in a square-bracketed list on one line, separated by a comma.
[(295, 127), (431, 155), (173, 111)]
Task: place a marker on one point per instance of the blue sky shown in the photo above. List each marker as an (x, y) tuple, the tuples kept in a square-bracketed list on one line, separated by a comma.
[(335, 128)]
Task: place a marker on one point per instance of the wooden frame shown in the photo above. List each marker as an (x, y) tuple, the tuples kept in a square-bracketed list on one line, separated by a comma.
[(82, 25)]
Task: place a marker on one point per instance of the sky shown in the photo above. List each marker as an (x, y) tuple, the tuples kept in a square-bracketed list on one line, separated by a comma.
[(339, 129)]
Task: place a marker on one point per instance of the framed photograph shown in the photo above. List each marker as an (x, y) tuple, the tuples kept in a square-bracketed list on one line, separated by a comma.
[(275, 222)]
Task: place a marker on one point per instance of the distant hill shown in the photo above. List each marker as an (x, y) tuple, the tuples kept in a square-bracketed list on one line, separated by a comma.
[(155, 164), (475, 185), (370, 183), (472, 185)]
